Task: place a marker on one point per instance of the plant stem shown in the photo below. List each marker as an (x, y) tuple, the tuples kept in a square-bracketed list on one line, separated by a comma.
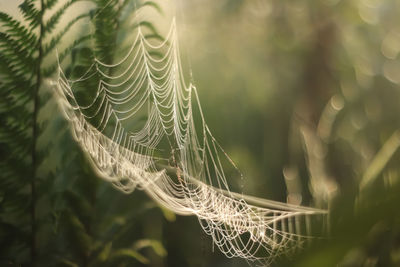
[(380, 160), (35, 137)]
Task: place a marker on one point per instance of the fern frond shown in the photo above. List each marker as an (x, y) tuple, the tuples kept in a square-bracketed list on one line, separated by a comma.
[(16, 89), (49, 4), (18, 31), (55, 18), (47, 71), (154, 36), (56, 39), (19, 55), (17, 203), (30, 13), (148, 25), (13, 176), (13, 97), (14, 133), (153, 5), (106, 20)]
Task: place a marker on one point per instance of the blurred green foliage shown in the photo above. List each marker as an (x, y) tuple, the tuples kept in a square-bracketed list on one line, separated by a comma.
[(309, 91), (302, 94), (54, 211)]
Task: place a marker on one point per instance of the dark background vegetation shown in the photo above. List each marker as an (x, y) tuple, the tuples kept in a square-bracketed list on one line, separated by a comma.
[(304, 95)]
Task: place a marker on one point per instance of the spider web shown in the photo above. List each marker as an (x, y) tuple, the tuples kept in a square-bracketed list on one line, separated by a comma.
[(144, 128)]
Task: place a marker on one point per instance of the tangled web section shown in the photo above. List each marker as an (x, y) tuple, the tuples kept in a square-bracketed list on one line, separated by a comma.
[(143, 127)]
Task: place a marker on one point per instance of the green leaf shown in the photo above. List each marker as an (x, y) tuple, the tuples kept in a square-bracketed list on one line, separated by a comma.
[(79, 204), (154, 36), (103, 255), (148, 25), (61, 56), (65, 262), (154, 244), (153, 5), (129, 253), (18, 31), (77, 236), (30, 13), (169, 215), (50, 24), (50, 3), (14, 52), (56, 39)]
